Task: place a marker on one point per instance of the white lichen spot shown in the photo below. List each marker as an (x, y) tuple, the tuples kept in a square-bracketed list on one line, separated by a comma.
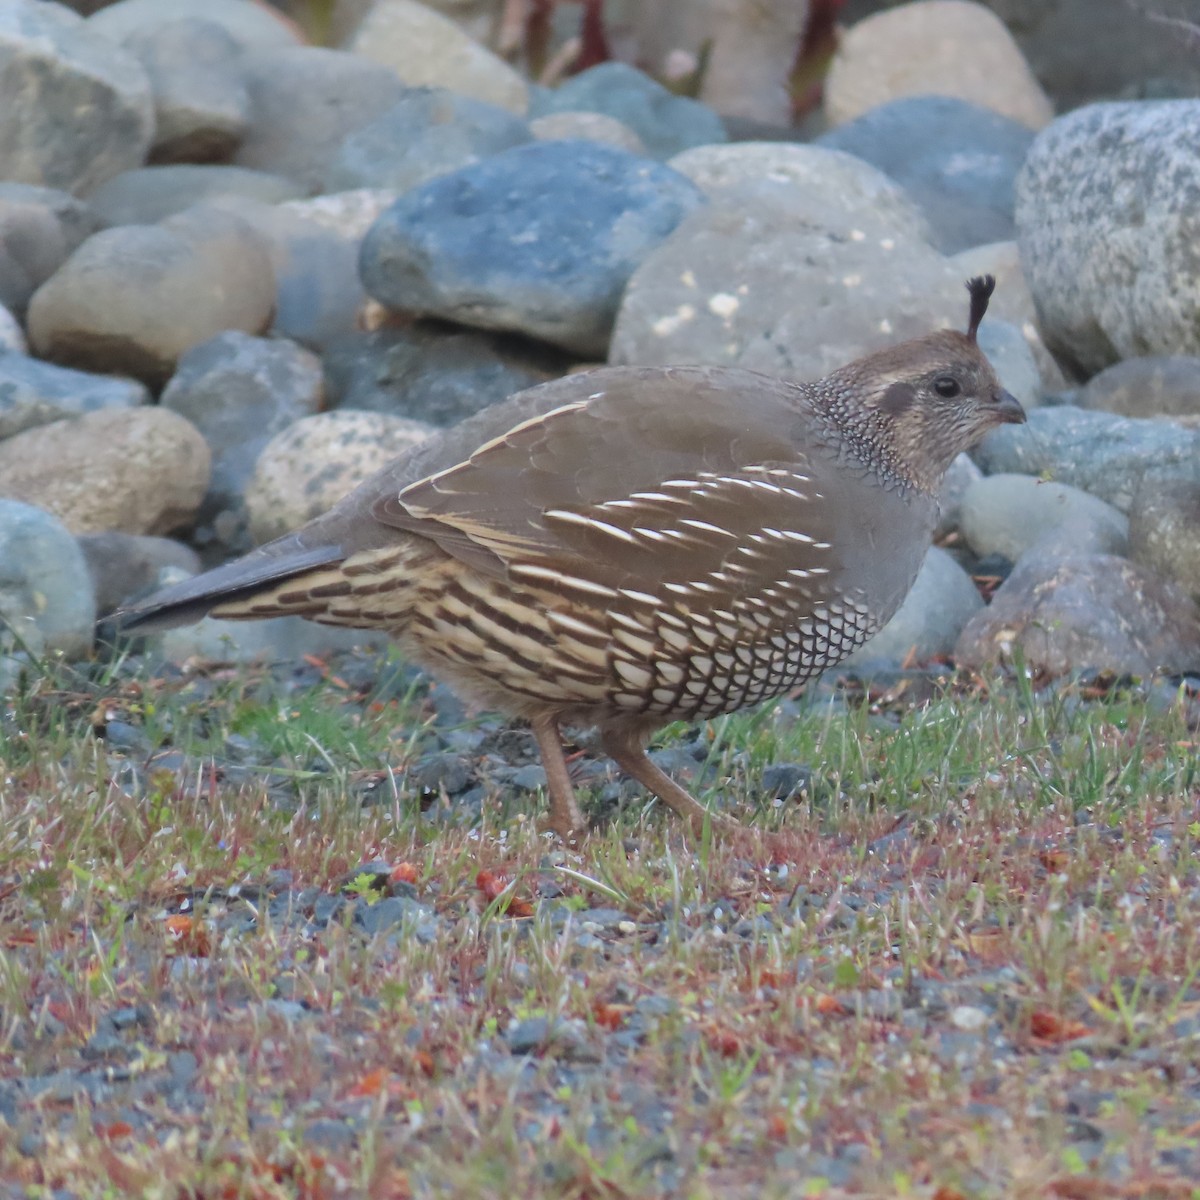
[(851, 280), (887, 243), (857, 235), (665, 326), (743, 289), (688, 279), (885, 326), (723, 305)]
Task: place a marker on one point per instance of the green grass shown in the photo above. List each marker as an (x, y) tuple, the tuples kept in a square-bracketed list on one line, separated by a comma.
[(962, 963)]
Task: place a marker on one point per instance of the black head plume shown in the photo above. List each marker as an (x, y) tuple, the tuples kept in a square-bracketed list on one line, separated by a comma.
[(981, 289)]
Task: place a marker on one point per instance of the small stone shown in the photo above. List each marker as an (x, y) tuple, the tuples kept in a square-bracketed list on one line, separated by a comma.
[(945, 47), (540, 239), (252, 26), (35, 393), (390, 913), (429, 132), (304, 102), (588, 127), (664, 122), (1164, 531), (151, 194), (137, 470), (1156, 385), (1007, 514), (312, 464), (427, 49), (77, 108), (957, 161), (968, 1018), (134, 298), (39, 229), (961, 474), (239, 392), (46, 595)]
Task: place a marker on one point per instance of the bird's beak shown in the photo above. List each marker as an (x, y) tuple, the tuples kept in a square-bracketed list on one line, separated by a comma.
[(1008, 410)]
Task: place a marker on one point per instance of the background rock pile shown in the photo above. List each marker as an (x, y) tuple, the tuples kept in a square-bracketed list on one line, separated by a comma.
[(239, 271)]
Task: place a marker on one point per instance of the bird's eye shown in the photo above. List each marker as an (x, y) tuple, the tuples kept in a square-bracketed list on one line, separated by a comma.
[(947, 386)]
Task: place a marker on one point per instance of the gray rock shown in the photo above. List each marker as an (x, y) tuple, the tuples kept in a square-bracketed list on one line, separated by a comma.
[(832, 234), (1105, 214), (139, 470), (304, 102), (1100, 453), (588, 127), (239, 392), (1008, 514), (943, 599), (134, 298), (433, 372), (252, 26), (33, 392), (1013, 360), (1093, 611), (430, 132), (39, 228), (12, 336), (956, 160), (665, 122), (1157, 385), (77, 109), (151, 194), (46, 595), (124, 565), (1164, 532), (962, 473), (200, 102), (540, 239), (392, 912)]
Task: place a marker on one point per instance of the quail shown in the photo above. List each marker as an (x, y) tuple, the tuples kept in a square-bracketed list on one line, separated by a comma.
[(631, 546)]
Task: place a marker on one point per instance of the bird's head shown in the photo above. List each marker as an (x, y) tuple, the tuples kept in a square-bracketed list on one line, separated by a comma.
[(925, 401)]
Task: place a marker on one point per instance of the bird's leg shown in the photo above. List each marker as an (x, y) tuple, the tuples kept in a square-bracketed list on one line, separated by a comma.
[(628, 752), (565, 818)]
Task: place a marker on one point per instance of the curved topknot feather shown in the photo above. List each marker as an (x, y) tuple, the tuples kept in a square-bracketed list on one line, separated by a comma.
[(981, 289)]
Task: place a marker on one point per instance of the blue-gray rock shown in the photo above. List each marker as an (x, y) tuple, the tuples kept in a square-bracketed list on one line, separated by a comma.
[(942, 600), (540, 239), (39, 228), (122, 565), (666, 123), (1164, 532), (12, 336), (962, 473), (1156, 385), (77, 108), (432, 371), (957, 160), (134, 298), (1090, 611), (200, 101), (1105, 213), (239, 391), (252, 26), (1008, 514), (46, 595), (1100, 453), (33, 392), (151, 194), (430, 132), (1013, 360), (304, 102)]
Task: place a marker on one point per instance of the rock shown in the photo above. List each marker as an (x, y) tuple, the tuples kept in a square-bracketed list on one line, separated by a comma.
[(77, 108), (239, 392), (12, 337), (1091, 611), (665, 123), (134, 298), (39, 228), (962, 473), (1157, 385), (956, 160), (943, 599), (1013, 361), (136, 470), (304, 103), (433, 372), (1105, 213), (540, 239), (427, 49), (945, 47), (252, 26), (46, 597), (34, 393), (1099, 453), (200, 102), (151, 194), (588, 127), (830, 233), (1007, 514), (124, 565), (430, 132), (1164, 532), (311, 465)]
